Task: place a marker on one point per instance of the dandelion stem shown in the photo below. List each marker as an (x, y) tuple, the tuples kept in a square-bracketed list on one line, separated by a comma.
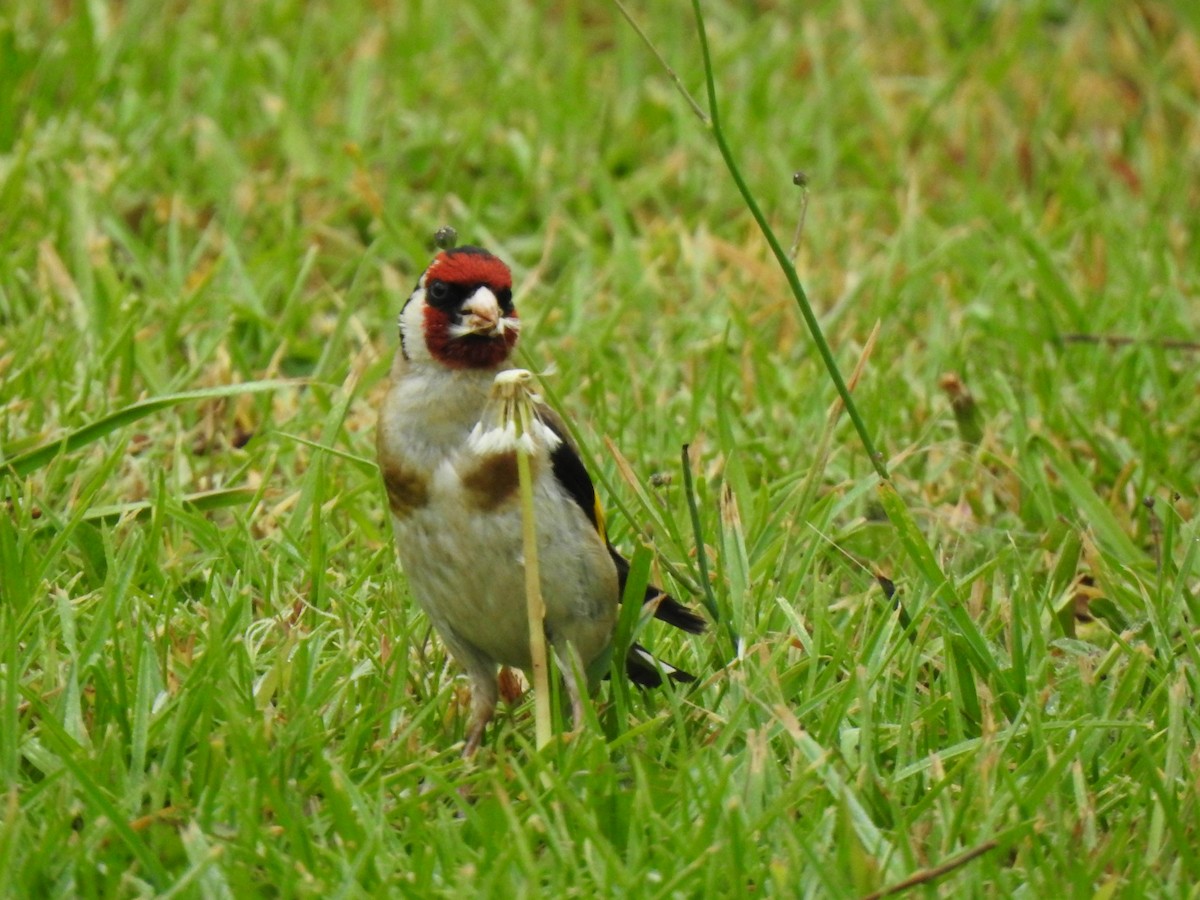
[(534, 603)]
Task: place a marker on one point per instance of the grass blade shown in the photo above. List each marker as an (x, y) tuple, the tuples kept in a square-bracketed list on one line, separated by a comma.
[(31, 460)]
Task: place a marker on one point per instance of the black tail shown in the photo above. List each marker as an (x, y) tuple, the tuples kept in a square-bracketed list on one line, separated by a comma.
[(667, 608), (640, 666), (646, 670), (671, 611)]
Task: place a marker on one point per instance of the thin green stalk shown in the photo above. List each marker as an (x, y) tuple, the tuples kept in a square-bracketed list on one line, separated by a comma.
[(789, 271), (662, 61), (710, 600), (974, 649)]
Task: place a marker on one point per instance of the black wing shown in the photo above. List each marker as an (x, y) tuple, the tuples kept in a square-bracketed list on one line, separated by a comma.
[(573, 476)]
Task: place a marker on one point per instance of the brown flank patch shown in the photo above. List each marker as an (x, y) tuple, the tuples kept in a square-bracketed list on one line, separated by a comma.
[(406, 488), (493, 481)]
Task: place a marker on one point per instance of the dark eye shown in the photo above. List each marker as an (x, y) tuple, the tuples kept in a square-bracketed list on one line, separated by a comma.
[(504, 297), (438, 291)]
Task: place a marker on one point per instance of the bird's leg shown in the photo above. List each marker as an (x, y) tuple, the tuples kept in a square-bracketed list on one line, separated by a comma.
[(484, 694), (569, 665)]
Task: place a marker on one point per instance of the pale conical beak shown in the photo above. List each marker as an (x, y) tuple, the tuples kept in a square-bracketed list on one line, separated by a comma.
[(481, 313)]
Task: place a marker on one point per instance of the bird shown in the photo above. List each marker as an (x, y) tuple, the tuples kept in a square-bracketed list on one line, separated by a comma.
[(454, 499)]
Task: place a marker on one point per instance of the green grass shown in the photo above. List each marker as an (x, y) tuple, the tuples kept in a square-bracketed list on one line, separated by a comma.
[(213, 681)]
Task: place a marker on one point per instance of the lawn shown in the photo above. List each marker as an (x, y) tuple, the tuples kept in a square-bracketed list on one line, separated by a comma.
[(979, 678)]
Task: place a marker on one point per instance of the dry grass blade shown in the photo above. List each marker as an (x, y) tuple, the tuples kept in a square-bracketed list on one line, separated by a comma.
[(925, 876)]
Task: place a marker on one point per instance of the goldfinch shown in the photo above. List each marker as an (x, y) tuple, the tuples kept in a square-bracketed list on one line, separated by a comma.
[(454, 498)]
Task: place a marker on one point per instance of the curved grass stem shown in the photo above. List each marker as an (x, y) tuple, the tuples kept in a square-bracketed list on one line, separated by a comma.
[(785, 263), (712, 121)]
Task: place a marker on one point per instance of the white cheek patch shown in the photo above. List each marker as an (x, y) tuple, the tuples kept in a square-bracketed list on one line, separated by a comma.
[(412, 326)]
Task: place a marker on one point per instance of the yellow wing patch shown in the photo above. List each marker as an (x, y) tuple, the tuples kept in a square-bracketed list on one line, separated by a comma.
[(599, 510)]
